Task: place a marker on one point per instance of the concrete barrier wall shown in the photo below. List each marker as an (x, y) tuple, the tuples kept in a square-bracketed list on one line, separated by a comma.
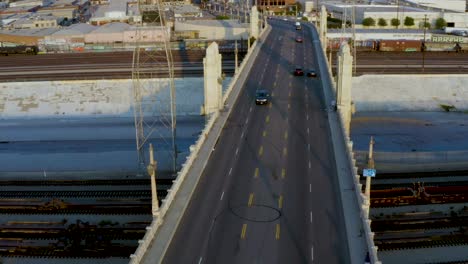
[(198, 157), (409, 92), (97, 98), (348, 173)]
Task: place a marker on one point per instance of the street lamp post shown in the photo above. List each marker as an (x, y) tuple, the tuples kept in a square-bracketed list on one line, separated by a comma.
[(154, 193), (424, 43)]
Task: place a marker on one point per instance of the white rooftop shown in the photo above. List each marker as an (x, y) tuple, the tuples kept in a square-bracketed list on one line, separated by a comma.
[(186, 9), (75, 29), (222, 23), (31, 32)]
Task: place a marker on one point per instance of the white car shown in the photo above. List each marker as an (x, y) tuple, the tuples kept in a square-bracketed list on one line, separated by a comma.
[(285, 19)]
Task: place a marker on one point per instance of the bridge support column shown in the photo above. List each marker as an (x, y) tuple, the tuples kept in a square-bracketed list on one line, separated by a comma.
[(343, 85), (254, 22), (323, 28), (213, 80)]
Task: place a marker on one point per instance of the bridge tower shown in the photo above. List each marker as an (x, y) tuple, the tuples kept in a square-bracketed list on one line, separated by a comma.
[(153, 80)]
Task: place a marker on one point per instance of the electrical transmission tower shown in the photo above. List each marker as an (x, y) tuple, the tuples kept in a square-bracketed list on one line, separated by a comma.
[(153, 81)]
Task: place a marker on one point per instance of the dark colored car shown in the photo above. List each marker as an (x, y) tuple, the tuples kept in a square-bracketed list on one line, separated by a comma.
[(261, 97), (298, 72), (299, 39), (311, 73)]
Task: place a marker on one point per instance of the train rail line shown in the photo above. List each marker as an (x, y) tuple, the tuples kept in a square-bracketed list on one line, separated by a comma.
[(79, 194), (400, 224), (116, 182)]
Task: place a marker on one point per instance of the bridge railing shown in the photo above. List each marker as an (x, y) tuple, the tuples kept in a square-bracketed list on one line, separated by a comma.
[(240, 76), (361, 199)]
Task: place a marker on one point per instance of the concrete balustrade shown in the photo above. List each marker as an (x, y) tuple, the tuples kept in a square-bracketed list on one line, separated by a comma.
[(207, 139)]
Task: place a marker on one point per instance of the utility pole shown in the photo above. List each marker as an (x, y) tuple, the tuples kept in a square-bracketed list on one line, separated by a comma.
[(398, 11), (354, 36), (154, 191), (424, 43), (235, 61), (245, 11), (316, 14)]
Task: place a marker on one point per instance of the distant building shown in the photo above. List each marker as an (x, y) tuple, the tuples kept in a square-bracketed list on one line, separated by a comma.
[(7, 19), (35, 21), (108, 33), (213, 29), (73, 35), (146, 34), (184, 12), (27, 3), (446, 5), (272, 6), (68, 9), (389, 12), (18, 10), (26, 36), (117, 11)]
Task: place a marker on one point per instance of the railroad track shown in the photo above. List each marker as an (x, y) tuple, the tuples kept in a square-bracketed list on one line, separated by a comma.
[(79, 194), (421, 242), (117, 182), (395, 225), (119, 210)]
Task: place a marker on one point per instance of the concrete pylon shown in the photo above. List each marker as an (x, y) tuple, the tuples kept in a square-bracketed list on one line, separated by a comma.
[(254, 22), (323, 27), (343, 84), (212, 80)]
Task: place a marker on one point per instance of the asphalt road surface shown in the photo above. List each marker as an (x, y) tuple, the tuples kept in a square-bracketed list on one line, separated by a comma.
[(269, 193)]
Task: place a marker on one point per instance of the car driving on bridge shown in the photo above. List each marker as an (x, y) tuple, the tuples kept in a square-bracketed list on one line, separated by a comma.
[(261, 97), (298, 71)]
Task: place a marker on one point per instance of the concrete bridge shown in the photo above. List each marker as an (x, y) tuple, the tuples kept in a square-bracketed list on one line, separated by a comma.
[(275, 183)]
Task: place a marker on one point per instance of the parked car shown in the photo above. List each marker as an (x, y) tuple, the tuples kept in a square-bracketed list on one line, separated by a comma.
[(299, 39)]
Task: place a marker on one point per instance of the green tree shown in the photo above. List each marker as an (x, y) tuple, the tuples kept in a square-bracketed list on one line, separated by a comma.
[(395, 22), (222, 17), (426, 25), (409, 21), (440, 23), (368, 21), (382, 22)]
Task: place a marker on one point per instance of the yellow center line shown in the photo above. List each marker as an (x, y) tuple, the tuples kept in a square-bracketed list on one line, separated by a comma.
[(274, 84), (278, 230), (289, 106), (280, 202), (257, 171), (267, 119), (285, 151), (270, 105), (251, 198), (290, 85), (286, 135), (289, 94), (283, 173), (260, 151), (244, 230), (264, 133), (273, 93)]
